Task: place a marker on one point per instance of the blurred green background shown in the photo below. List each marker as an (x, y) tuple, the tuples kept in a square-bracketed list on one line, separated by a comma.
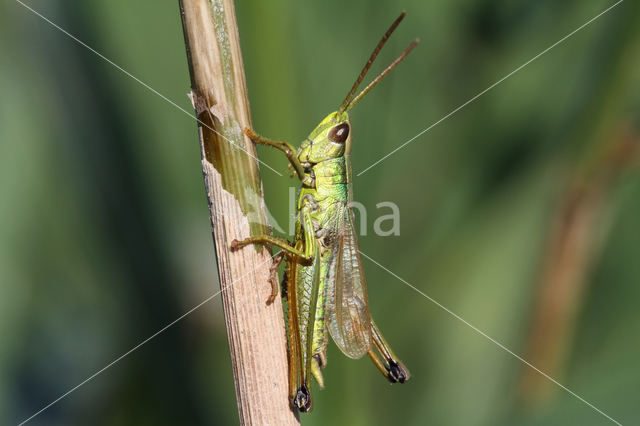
[(519, 213)]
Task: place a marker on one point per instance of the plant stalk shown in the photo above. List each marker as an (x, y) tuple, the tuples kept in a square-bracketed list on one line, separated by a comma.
[(256, 331)]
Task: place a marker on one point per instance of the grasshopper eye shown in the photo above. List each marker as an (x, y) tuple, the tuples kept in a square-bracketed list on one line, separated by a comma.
[(339, 133)]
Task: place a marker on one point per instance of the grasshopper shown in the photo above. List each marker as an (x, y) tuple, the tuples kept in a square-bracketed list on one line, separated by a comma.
[(324, 280)]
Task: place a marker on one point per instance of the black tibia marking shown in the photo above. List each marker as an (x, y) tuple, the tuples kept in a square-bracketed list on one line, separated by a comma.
[(283, 285), (321, 360), (302, 400), (339, 133), (396, 372)]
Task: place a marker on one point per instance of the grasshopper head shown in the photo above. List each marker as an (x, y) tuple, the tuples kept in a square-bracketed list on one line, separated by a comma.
[(330, 139)]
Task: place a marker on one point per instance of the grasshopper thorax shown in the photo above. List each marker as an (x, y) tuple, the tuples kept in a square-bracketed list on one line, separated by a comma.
[(330, 139)]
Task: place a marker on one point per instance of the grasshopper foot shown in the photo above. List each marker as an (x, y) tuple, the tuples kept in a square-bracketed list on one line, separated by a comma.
[(250, 133), (238, 244)]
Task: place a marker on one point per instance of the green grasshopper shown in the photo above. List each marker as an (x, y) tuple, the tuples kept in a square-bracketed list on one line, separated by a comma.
[(324, 278)]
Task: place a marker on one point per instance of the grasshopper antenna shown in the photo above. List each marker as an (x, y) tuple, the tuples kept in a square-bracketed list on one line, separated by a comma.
[(372, 58), (350, 101), (382, 74)]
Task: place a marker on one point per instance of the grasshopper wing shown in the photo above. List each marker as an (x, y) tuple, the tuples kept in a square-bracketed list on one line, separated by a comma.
[(348, 315)]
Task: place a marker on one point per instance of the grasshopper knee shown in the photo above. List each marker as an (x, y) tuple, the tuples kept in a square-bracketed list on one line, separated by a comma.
[(398, 373), (302, 399)]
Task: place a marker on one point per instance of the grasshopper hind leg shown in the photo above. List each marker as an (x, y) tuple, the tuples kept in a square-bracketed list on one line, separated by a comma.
[(391, 368), (398, 373), (299, 390), (283, 286), (302, 399)]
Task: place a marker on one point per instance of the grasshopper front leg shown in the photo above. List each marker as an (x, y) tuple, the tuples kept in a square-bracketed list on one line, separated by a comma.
[(287, 250), (285, 147), (305, 256)]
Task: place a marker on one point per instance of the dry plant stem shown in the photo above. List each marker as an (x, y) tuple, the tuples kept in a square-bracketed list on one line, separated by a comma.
[(579, 229), (580, 221), (256, 331), (571, 248)]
